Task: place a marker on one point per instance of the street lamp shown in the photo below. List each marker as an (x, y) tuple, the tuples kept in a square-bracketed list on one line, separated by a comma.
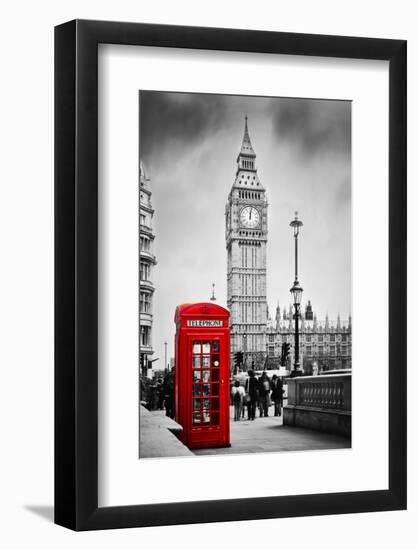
[(165, 344), (213, 297), (245, 348), (297, 293)]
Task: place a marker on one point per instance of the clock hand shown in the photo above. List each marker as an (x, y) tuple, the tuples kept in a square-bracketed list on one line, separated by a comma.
[(250, 214)]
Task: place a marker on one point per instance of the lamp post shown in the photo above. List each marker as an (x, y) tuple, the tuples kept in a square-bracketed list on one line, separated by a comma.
[(165, 344), (213, 297), (244, 348), (297, 293)]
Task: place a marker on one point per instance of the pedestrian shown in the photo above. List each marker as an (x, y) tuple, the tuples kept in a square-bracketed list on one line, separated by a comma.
[(160, 395), (264, 391), (238, 394), (151, 396), (143, 391), (245, 405), (173, 393), (276, 394), (251, 392), (167, 393)]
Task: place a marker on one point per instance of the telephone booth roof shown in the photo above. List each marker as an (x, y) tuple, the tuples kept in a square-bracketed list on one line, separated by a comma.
[(200, 308)]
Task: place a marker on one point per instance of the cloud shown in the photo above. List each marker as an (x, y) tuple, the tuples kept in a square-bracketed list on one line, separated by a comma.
[(175, 120), (314, 126)]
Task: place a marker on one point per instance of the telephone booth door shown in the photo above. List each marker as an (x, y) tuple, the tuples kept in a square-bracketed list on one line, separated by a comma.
[(209, 395), (202, 378)]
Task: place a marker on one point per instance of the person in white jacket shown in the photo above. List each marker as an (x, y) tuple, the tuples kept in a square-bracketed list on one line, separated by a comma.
[(238, 393)]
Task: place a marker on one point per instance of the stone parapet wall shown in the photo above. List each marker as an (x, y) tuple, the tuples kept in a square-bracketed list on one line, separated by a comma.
[(321, 403)]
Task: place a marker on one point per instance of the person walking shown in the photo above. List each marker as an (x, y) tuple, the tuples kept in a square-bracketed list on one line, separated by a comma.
[(168, 394), (238, 394), (264, 391), (276, 394), (251, 391), (160, 395), (245, 405)]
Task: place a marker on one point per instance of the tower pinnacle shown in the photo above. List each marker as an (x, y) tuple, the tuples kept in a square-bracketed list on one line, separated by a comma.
[(246, 149)]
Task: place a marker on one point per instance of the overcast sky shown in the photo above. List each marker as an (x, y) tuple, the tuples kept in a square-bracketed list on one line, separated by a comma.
[(189, 144)]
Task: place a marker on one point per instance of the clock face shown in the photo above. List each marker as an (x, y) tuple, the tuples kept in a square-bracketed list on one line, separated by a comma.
[(250, 217)]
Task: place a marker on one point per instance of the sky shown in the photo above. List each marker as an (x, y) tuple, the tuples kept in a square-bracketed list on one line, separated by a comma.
[(189, 144)]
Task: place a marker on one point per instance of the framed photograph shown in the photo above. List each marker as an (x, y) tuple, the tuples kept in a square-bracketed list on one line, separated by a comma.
[(230, 284)]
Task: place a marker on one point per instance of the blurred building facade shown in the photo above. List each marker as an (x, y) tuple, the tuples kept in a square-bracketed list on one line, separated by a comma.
[(147, 261)]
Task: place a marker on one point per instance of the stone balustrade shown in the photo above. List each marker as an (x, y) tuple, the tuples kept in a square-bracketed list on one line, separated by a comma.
[(320, 402)]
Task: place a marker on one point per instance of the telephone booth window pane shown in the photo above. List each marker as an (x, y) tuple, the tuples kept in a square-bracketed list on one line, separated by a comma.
[(206, 361), (196, 361), (206, 403), (215, 346), (196, 375), (206, 416), (215, 419), (206, 376), (206, 389), (206, 347), (215, 375), (196, 404), (196, 418), (215, 361), (215, 404), (215, 389), (196, 389), (196, 346)]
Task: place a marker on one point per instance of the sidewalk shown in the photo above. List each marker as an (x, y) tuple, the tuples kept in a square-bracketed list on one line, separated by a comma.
[(269, 435), (156, 437), (259, 436)]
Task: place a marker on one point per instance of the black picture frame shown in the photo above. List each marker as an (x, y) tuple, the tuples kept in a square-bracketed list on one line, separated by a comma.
[(76, 272)]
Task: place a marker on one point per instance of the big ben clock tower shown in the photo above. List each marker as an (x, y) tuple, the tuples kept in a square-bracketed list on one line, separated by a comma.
[(246, 238)]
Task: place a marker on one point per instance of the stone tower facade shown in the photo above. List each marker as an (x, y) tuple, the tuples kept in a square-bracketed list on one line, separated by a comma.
[(246, 240)]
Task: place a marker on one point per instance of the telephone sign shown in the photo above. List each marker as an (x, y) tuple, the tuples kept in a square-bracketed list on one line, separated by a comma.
[(204, 323), (202, 358)]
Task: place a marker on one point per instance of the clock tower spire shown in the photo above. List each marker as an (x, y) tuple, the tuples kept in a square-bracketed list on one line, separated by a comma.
[(247, 154), (246, 239)]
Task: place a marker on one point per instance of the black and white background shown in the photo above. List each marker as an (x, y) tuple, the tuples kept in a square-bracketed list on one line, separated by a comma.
[(188, 145)]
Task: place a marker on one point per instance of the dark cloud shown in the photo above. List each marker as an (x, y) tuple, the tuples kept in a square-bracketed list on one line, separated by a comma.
[(177, 120), (174, 120), (315, 126)]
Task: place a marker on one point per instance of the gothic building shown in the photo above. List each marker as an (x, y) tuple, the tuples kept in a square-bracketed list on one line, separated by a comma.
[(246, 238), (325, 344), (146, 262)]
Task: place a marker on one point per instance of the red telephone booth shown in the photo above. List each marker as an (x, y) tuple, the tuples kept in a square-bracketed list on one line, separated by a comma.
[(202, 357)]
